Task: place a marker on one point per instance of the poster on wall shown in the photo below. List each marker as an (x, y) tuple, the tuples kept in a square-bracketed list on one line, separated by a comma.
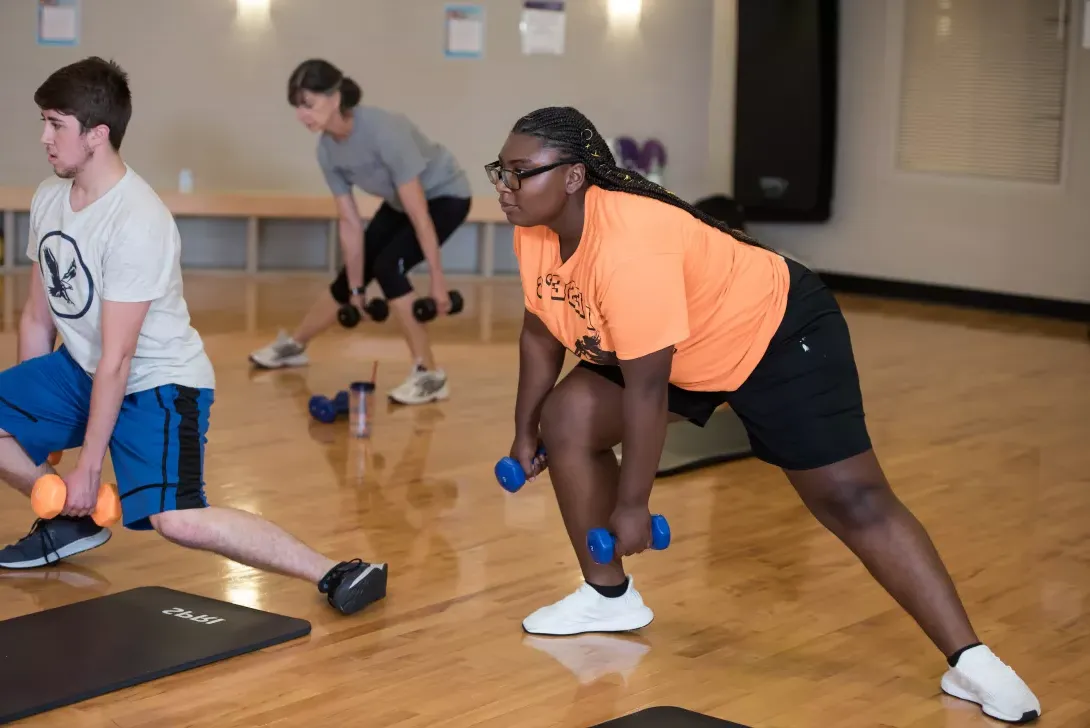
[(464, 31), (542, 27), (58, 22)]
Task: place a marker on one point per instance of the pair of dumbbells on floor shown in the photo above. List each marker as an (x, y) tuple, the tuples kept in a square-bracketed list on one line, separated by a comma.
[(424, 309), (600, 542), (326, 410)]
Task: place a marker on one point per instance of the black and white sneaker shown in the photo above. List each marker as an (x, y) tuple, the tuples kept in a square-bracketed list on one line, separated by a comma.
[(352, 585), (50, 541)]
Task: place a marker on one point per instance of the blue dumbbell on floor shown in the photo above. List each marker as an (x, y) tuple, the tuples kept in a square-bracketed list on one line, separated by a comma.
[(600, 542), (327, 410), (510, 474)]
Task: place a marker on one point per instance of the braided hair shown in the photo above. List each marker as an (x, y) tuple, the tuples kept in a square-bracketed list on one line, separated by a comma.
[(566, 129)]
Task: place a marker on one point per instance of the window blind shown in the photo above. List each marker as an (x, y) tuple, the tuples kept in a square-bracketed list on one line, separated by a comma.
[(983, 88)]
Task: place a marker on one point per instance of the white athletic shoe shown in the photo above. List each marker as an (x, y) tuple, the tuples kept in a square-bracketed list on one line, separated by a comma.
[(586, 610), (421, 386), (284, 352), (984, 679)]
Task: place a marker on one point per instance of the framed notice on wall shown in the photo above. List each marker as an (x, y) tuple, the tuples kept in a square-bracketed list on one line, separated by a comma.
[(542, 27), (464, 31), (58, 22)]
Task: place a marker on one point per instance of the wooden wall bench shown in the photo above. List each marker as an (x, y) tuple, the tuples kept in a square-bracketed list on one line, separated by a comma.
[(257, 206)]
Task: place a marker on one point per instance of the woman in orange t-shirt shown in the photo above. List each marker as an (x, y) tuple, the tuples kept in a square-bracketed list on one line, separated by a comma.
[(673, 314)]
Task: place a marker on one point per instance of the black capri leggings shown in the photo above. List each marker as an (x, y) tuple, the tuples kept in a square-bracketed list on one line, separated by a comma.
[(391, 249)]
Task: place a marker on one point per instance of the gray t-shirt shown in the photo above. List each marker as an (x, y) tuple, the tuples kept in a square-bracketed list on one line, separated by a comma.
[(386, 150), (122, 247)]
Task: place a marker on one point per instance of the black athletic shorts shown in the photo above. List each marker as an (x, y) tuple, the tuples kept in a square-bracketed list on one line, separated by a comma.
[(802, 406), (391, 250)]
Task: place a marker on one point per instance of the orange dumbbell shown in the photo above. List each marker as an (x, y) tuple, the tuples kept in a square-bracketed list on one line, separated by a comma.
[(49, 493)]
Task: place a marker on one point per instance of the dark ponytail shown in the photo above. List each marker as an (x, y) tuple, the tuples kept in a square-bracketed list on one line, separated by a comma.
[(351, 94), (566, 129), (322, 77)]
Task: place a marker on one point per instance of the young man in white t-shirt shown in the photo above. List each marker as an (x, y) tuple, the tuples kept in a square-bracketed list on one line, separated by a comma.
[(132, 374)]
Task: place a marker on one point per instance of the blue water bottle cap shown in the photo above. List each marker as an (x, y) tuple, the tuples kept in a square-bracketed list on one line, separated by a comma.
[(363, 386)]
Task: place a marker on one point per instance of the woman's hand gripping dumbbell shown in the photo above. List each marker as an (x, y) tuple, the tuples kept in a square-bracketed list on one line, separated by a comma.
[(510, 473), (425, 309)]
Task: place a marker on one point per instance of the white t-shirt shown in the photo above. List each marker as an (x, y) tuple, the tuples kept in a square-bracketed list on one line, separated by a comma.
[(123, 247)]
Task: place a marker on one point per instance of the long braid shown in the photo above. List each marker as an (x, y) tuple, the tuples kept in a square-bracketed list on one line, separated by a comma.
[(566, 129)]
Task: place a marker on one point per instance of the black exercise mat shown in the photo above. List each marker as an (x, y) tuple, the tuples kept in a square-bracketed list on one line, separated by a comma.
[(79, 651), (667, 717)]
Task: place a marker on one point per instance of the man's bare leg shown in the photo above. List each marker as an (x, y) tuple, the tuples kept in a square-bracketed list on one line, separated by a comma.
[(16, 467), (243, 537), (251, 540)]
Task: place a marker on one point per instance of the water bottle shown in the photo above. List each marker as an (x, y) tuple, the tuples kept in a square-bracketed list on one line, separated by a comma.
[(360, 397)]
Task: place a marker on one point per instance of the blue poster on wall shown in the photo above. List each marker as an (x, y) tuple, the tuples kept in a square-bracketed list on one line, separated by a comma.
[(58, 22)]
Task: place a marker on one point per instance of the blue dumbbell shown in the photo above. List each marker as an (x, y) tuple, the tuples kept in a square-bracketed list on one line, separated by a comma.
[(327, 410), (600, 542), (510, 474)]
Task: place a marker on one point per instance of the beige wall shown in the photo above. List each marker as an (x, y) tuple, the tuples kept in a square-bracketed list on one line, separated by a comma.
[(209, 95), (1005, 237)]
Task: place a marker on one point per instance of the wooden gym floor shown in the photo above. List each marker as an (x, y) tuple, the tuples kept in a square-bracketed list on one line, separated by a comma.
[(762, 617)]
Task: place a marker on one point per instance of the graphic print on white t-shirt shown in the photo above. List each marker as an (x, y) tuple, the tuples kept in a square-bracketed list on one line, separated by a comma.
[(69, 287)]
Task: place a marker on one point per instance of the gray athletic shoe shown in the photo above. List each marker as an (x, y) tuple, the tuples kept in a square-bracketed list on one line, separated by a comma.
[(421, 387), (284, 352), (50, 541), (352, 585)]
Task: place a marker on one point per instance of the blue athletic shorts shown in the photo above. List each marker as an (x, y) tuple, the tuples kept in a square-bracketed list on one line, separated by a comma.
[(157, 448)]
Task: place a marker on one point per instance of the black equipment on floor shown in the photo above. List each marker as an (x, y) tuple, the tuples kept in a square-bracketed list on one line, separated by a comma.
[(668, 717), (79, 651)]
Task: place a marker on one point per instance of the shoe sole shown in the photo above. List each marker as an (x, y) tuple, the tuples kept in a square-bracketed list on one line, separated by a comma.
[(437, 397), (621, 625), (369, 591), (76, 547), (291, 361), (951, 688)]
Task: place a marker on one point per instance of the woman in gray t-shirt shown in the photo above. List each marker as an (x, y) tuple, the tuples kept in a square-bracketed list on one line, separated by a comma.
[(426, 197)]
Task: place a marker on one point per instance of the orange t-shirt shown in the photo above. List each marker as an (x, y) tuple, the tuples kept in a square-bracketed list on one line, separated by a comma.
[(647, 275)]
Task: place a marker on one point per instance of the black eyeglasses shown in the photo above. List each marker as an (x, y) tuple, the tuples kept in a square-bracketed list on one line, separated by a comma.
[(513, 178)]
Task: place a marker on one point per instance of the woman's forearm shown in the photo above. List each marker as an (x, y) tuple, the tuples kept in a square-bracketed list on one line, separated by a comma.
[(424, 227), (351, 239), (645, 414), (645, 417), (541, 357)]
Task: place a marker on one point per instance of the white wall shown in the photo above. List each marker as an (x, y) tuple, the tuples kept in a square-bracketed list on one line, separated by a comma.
[(995, 236)]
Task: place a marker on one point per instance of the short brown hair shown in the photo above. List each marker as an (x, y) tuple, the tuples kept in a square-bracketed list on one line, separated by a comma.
[(94, 91)]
